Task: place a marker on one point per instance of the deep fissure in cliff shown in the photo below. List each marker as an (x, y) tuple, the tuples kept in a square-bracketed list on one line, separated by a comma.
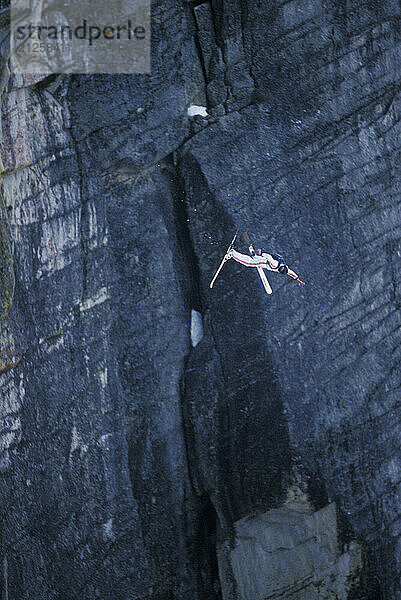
[(207, 541), (206, 525), (192, 291)]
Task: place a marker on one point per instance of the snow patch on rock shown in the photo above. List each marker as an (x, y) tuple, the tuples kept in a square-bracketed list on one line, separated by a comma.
[(194, 110), (196, 327)]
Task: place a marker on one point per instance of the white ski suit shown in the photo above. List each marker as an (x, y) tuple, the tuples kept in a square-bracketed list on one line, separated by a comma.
[(265, 260)]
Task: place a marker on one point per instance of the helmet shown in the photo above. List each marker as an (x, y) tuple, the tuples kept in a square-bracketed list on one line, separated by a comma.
[(283, 269)]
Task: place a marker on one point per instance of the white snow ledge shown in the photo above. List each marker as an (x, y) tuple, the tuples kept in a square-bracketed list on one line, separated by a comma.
[(195, 110), (196, 327)]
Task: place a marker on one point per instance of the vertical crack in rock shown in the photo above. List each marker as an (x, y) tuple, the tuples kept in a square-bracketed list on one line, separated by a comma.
[(202, 516), (192, 290), (200, 50), (207, 549), (211, 53), (155, 284), (7, 279), (230, 19), (217, 12)]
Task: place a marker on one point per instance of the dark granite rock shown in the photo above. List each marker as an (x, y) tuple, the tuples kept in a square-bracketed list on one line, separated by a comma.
[(133, 457)]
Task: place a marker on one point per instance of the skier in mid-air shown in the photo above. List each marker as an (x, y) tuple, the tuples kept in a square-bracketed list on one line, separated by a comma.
[(259, 259), (271, 262)]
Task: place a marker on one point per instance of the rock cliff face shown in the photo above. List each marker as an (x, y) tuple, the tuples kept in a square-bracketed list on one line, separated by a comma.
[(134, 463)]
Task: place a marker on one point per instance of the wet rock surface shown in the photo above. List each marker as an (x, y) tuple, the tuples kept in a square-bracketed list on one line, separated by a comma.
[(135, 462)]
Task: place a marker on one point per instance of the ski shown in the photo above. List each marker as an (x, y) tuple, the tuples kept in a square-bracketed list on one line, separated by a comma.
[(225, 259), (261, 272)]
